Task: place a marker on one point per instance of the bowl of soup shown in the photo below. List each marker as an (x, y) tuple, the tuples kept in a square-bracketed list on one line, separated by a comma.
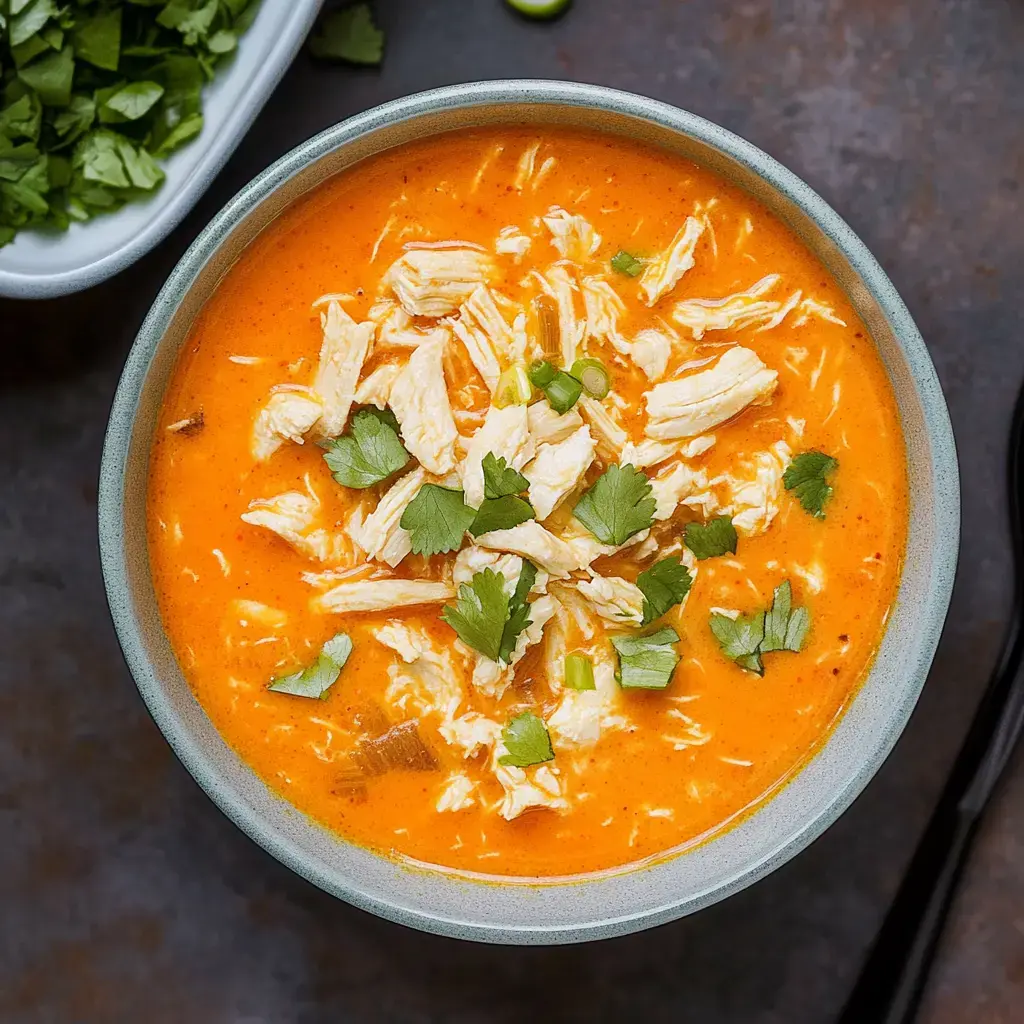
[(529, 512)]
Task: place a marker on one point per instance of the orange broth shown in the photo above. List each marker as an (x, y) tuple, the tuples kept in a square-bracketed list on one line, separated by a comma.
[(701, 752)]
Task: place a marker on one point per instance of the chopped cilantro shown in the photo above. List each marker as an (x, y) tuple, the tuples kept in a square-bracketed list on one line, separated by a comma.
[(348, 34), (710, 539), (501, 514), (369, 452), (526, 741), (647, 662), (781, 628), (317, 678), (617, 506), (437, 519), (740, 639), (807, 477), (518, 611), (785, 627), (664, 585), (500, 480), (626, 263)]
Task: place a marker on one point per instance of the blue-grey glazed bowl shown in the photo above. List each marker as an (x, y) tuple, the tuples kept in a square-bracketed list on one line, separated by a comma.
[(614, 902)]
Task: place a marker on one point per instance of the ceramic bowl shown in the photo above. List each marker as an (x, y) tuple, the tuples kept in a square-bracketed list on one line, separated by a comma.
[(41, 264), (621, 900)]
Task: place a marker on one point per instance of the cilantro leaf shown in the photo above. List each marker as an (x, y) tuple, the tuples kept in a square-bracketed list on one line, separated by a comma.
[(129, 102), (317, 678), (617, 506), (740, 639), (518, 612), (501, 514), (437, 519), (370, 451), (626, 263), (527, 741), (349, 35), (807, 477), (710, 539), (647, 662), (664, 585), (480, 613), (785, 627), (500, 480), (97, 38)]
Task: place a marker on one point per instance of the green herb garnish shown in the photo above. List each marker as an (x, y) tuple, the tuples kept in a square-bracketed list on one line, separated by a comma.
[(518, 611), (626, 263), (664, 585), (348, 34), (437, 519), (785, 627), (579, 672), (94, 94), (647, 662), (500, 479), (563, 392), (617, 506), (527, 741), (807, 477), (316, 679), (369, 452), (501, 514), (741, 639), (711, 539)]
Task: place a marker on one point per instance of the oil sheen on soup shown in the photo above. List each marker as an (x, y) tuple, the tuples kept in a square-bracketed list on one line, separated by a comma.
[(526, 502)]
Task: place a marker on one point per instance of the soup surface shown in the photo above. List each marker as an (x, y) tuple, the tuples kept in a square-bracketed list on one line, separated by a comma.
[(525, 502)]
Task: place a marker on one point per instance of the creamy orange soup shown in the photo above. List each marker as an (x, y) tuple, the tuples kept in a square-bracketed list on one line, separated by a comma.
[(587, 677)]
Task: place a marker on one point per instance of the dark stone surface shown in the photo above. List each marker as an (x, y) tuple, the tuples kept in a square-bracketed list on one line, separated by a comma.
[(127, 896)]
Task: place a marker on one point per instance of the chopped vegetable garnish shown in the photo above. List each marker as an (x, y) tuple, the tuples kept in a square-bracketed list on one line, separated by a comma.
[(369, 452), (437, 519), (626, 263), (711, 539), (316, 679), (542, 374), (547, 328), (501, 514), (579, 672), (348, 34), (807, 477), (647, 662), (617, 506), (400, 747), (500, 479), (513, 388), (664, 585), (527, 741), (94, 94), (593, 375), (485, 618), (563, 392), (747, 637)]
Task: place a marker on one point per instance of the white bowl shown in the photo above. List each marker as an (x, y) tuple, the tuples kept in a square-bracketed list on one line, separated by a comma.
[(38, 264)]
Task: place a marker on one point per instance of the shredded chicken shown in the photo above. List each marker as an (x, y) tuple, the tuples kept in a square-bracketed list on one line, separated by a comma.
[(512, 242), (582, 715), (424, 681), (380, 534), (572, 235), (505, 434), (558, 469), (375, 388), (379, 595), (690, 405), (532, 541), (527, 788), (435, 282), (293, 516), (345, 346), (613, 598), (548, 426), (459, 793), (680, 484), (610, 437), (662, 274), (754, 503), (288, 415), (734, 312)]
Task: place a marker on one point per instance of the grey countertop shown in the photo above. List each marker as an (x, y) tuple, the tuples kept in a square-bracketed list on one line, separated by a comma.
[(127, 896)]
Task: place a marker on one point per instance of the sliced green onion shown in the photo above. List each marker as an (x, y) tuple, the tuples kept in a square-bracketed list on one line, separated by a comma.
[(579, 672), (542, 374), (513, 388), (591, 373), (563, 392), (539, 8), (626, 263)]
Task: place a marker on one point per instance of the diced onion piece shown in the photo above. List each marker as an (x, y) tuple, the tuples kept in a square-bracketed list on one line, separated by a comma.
[(579, 672), (513, 388), (542, 374), (591, 373), (547, 325), (563, 392), (400, 747)]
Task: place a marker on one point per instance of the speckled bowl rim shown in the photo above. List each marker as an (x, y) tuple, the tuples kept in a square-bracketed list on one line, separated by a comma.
[(619, 902)]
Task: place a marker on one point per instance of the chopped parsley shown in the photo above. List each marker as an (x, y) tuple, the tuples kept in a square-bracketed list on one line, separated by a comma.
[(781, 628), (437, 519), (369, 452), (664, 585), (486, 618), (626, 263), (501, 514), (500, 480), (647, 662), (348, 34), (807, 477), (710, 539), (526, 741), (316, 679), (617, 506)]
